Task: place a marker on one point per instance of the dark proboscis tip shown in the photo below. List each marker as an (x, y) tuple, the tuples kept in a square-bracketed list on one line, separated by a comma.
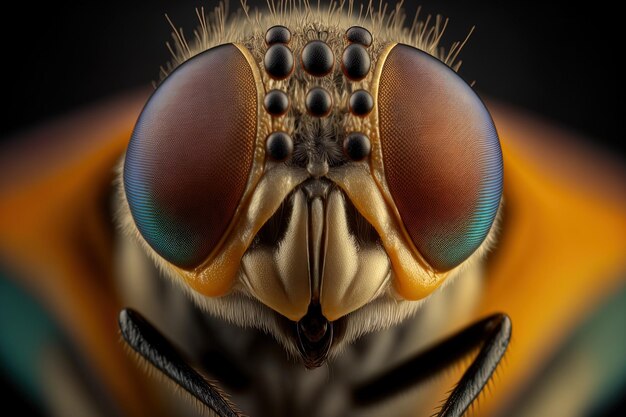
[(315, 337)]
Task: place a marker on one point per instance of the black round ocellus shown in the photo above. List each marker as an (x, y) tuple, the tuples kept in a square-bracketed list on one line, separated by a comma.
[(355, 62), (361, 103), (277, 34), (357, 146), (279, 146), (360, 35), (317, 58), (318, 102), (276, 102), (278, 61)]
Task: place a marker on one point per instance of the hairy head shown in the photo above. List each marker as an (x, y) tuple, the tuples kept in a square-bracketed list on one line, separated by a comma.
[(313, 172)]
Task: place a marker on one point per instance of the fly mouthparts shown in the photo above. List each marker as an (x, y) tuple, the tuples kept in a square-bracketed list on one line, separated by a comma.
[(315, 337), (316, 188)]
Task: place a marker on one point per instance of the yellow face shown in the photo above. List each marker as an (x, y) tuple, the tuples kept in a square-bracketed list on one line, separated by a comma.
[(311, 169)]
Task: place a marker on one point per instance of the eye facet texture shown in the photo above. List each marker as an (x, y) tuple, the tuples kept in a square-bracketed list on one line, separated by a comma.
[(441, 156), (190, 155)]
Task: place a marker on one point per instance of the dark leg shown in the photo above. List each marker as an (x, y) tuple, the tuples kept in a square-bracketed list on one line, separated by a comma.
[(492, 334), (152, 346)]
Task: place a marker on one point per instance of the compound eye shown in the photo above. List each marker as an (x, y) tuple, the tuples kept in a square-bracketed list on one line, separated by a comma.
[(441, 155), (191, 153)]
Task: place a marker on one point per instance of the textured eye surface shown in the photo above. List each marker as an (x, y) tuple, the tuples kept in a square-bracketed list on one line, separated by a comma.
[(441, 156), (190, 155)]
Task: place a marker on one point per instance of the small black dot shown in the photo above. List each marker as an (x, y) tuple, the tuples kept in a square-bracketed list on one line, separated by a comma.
[(355, 62), (276, 103), (278, 61), (360, 35), (279, 146), (361, 103), (317, 58), (277, 34), (318, 102), (357, 146)]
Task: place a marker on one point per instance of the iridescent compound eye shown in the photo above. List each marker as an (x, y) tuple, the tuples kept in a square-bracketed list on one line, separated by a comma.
[(441, 156), (190, 155)]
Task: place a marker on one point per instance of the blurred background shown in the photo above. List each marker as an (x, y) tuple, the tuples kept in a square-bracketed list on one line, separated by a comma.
[(559, 64)]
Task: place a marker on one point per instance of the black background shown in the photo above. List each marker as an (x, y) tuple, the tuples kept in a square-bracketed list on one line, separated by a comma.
[(557, 62)]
